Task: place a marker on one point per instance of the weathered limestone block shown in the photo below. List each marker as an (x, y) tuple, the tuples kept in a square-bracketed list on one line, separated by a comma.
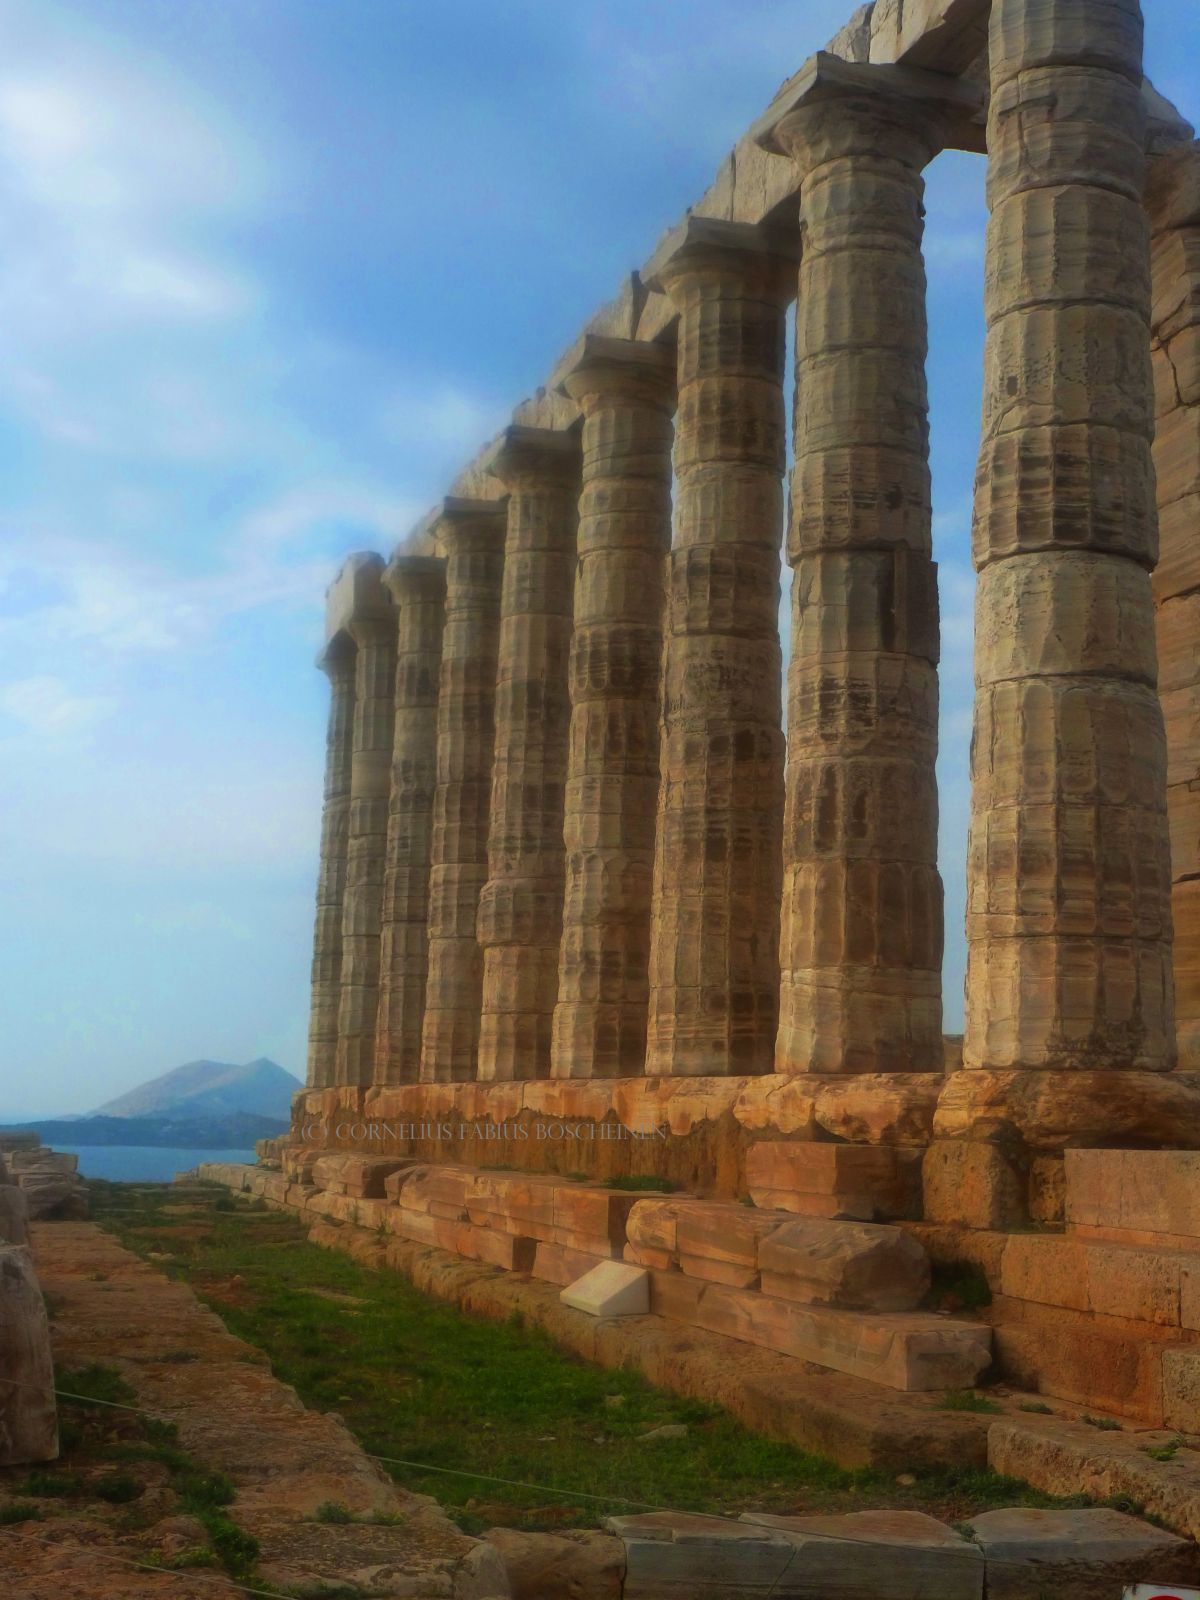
[(1069, 928), (856, 1182), (337, 660), (1140, 1192), (471, 533), (520, 910), (14, 1215), (580, 1563), (418, 588), (861, 931), (894, 1554), (625, 390), (1051, 1110), (962, 1177), (372, 626), (1173, 196), (852, 1265), (28, 1416), (611, 1289), (1076, 1555), (714, 968)]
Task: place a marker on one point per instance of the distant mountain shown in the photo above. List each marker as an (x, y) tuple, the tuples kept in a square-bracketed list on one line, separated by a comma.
[(202, 1089), (237, 1130)]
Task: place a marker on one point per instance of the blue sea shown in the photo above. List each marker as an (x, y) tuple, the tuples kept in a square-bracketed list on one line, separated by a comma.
[(136, 1163)]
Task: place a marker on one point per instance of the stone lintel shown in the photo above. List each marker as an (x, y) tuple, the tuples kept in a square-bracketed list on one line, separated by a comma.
[(827, 77), (457, 509), (621, 361), (337, 652), (544, 451), (699, 240), (356, 594)]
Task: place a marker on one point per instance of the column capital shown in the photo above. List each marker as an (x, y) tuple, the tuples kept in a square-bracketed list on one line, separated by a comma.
[(463, 524), (336, 658), (876, 102), (522, 452), (356, 595), (406, 574), (732, 250), (600, 366)]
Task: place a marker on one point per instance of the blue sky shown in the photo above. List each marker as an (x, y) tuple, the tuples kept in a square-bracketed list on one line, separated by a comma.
[(271, 270)]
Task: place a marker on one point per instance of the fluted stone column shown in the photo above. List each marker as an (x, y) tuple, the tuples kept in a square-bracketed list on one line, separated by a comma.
[(520, 910), (337, 661), (471, 534), (1173, 195), (861, 940), (372, 626), (626, 391), (714, 942), (418, 587), (1068, 912)]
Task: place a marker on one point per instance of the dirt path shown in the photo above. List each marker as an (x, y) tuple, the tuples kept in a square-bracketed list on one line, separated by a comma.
[(233, 1418)]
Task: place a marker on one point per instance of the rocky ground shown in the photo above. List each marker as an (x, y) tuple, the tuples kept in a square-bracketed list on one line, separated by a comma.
[(189, 1471)]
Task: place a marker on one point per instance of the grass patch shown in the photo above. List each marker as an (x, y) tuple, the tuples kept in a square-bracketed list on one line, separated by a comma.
[(1105, 1424), (642, 1183), (17, 1511), (333, 1511), (968, 1400), (418, 1381)]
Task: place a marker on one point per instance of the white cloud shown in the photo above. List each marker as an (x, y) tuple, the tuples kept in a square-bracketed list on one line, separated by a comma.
[(47, 708)]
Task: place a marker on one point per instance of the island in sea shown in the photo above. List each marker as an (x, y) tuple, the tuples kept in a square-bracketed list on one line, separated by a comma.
[(201, 1111)]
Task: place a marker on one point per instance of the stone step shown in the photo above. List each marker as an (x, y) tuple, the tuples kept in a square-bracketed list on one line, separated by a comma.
[(1132, 1369), (897, 1555), (855, 1265), (1058, 1457), (909, 1351), (1139, 1196), (1139, 1283)]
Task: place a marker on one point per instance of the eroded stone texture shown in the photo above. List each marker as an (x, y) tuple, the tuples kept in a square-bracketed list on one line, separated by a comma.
[(28, 1417), (520, 910), (471, 533), (1173, 196), (714, 944), (1068, 914), (626, 393), (418, 587), (337, 660), (861, 940), (372, 626)]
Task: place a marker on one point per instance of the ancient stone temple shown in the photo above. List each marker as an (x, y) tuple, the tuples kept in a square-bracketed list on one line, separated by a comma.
[(578, 870)]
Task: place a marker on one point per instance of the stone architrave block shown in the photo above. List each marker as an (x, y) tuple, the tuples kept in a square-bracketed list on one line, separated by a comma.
[(612, 1289)]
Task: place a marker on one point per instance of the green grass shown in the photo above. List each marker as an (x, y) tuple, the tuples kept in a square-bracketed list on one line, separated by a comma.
[(17, 1511), (967, 1400), (642, 1183), (494, 1406)]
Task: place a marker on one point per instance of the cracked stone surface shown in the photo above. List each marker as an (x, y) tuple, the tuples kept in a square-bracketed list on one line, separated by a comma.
[(472, 535), (714, 945), (861, 942), (520, 910), (626, 392), (1068, 915), (337, 661), (418, 587)]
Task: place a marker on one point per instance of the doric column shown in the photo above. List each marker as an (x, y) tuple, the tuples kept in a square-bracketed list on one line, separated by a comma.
[(1174, 202), (337, 661), (1068, 895), (861, 936), (418, 587), (626, 391), (471, 533), (520, 910), (372, 626), (714, 942)]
